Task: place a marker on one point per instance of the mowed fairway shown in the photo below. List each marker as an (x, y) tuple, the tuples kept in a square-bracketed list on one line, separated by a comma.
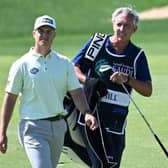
[(142, 150)]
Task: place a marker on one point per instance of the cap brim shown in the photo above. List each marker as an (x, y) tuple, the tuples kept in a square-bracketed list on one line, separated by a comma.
[(44, 24)]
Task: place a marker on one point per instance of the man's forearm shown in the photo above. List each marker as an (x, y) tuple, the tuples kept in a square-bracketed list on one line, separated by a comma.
[(80, 101), (80, 75), (7, 110)]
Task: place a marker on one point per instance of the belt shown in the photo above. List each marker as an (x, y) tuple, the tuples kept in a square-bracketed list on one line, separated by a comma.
[(55, 118)]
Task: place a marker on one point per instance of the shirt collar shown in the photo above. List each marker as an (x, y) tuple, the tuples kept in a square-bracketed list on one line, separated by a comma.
[(38, 55)]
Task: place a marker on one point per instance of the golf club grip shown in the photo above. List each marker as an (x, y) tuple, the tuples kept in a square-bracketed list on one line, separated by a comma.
[(161, 145)]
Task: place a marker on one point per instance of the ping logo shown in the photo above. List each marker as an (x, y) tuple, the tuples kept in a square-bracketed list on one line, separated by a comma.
[(95, 46), (34, 70)]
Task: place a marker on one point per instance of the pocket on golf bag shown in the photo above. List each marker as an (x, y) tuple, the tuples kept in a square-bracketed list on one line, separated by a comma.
[(115, 121)]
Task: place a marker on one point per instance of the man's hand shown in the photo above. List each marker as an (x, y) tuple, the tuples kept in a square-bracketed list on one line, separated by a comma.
[(119, 77), (3, 143), (91, 121)]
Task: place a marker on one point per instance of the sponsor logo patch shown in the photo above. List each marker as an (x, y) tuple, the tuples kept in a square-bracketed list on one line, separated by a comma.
[(34, 71)]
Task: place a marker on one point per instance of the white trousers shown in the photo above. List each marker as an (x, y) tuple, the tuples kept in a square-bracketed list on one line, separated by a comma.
[(43, 141)]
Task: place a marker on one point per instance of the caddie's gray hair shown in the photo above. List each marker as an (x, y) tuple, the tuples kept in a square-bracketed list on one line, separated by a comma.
[(127, 11)]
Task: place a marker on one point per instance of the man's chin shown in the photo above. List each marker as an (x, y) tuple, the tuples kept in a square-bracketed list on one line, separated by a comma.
[(121, 38), (43, 43)]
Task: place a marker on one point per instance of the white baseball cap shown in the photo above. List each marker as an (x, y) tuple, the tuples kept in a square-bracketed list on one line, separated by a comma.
[(44, 20)]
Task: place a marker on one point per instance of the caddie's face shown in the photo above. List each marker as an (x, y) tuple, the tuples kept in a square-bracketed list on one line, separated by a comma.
[(44, 36), (124, 27)]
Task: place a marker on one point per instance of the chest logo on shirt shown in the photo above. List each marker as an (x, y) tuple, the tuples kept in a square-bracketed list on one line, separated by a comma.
[(34, 70), (104, 69), (98, 66)]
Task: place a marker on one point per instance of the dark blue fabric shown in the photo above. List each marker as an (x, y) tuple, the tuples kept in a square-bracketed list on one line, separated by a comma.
[(131, 61)]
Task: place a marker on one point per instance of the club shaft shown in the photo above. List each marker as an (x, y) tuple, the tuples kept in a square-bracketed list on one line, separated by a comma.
[(106, 68), (147, 123)]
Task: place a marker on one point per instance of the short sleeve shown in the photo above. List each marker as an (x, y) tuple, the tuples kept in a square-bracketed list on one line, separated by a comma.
[(73, 82), (14, 82)]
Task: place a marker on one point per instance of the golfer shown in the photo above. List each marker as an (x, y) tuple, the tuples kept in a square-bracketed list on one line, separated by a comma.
[(42, 77), (117, 61)]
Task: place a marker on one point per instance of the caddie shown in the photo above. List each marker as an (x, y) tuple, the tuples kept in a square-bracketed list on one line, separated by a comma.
[(117, 61)]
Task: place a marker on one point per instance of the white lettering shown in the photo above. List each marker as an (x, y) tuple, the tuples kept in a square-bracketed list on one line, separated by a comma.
[(95, 46), (115, 97)]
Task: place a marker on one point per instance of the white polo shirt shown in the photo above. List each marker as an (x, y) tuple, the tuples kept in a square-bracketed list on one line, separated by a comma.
[(42, 82)]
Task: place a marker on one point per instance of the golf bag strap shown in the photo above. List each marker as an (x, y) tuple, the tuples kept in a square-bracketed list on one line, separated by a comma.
[(95, 46)]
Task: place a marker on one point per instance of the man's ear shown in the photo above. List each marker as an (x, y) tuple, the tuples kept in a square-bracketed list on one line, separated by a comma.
[(135, 28), (33, 32), (55, 34)]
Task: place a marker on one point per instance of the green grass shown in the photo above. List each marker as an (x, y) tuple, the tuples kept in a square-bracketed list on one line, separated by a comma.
[(142, 149), (17, 17), (76, 21)]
